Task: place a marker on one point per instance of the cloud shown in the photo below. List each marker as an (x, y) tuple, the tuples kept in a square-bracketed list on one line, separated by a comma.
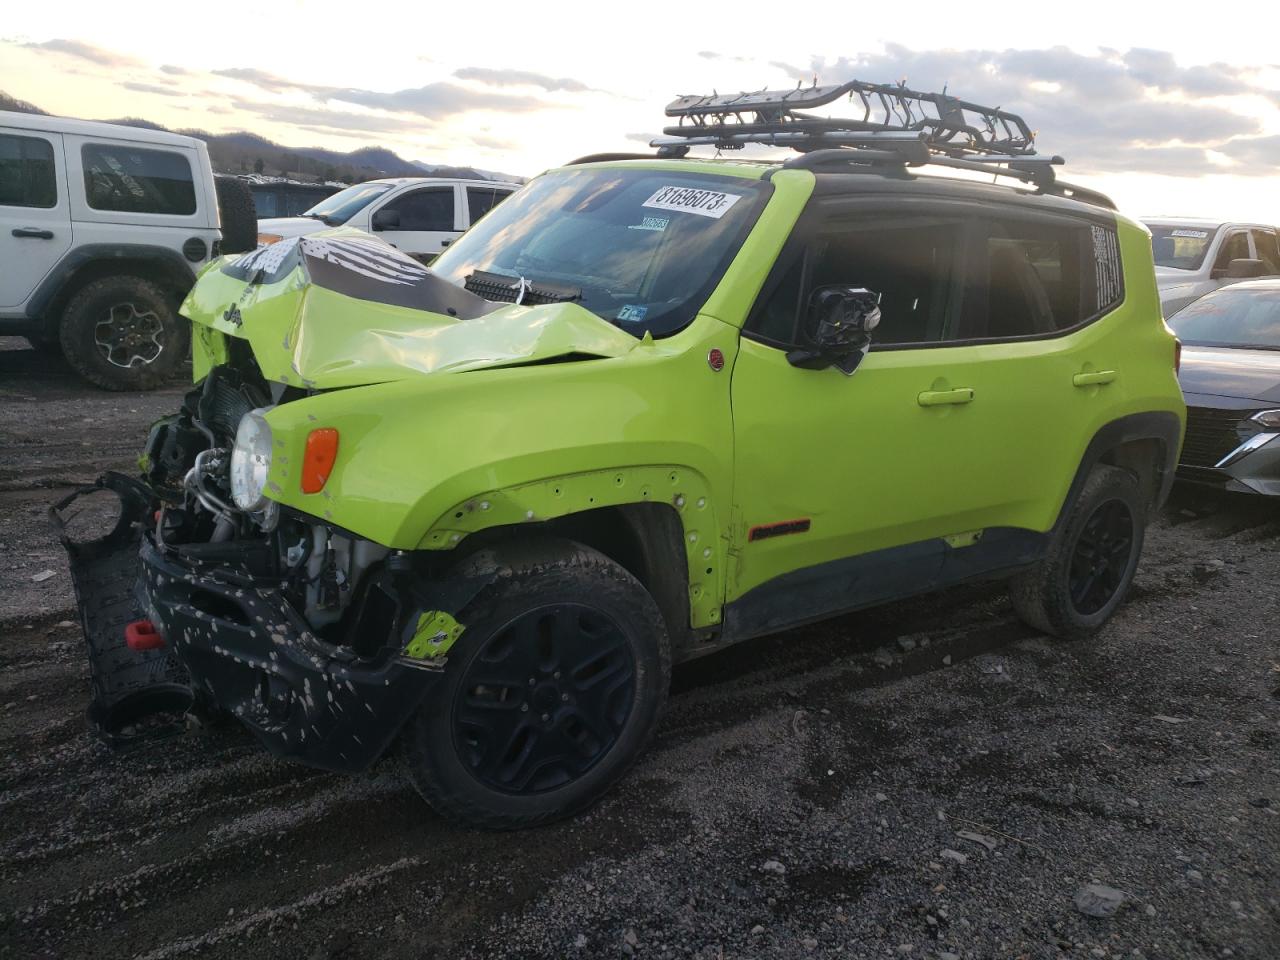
[(521, 78), (1109, 112), (85, 51), (436, 100), (267, 81), (170, 69), (152, 88), (322, 120), (645, 138), (1254, 156)]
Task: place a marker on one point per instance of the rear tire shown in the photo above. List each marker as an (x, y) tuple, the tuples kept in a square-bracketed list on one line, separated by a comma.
[(237, 215), (1076, 588), (123, 333), (549, 696)]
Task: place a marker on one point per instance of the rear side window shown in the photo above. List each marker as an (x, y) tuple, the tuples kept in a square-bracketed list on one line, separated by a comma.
[(27, 173), (1038, 278), (424, 210), (128, 179), (1268, 251), (480, 200)]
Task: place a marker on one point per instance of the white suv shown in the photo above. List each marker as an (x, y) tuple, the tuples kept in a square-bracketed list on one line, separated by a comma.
[(419, 216), (1194, 257), (102, 229)]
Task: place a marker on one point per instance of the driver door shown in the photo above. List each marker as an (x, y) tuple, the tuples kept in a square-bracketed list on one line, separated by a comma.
[(831, 467)]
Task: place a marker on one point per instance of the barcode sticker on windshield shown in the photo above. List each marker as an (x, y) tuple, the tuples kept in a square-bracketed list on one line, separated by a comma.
[(1191, 234), (705, 203)]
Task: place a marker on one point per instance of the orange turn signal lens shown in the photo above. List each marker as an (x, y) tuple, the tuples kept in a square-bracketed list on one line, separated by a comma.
[(318, 460)]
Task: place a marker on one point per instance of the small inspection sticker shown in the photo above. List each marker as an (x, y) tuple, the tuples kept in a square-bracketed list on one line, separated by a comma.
[(1190, 234), (651, 223), (632, 313), (705, 203)]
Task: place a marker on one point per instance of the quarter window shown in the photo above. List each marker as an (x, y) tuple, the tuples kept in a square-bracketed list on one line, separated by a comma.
[(27, 173), (480, 200), (134, 180), (424, 210)]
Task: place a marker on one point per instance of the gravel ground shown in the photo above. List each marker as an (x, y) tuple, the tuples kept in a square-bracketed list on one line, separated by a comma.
[(926, 780)]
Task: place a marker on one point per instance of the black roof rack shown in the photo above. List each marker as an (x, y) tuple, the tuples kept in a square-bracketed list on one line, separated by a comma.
[(898, 127)]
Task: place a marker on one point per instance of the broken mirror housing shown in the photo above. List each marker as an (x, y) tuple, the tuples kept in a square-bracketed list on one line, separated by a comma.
[(251, 461)]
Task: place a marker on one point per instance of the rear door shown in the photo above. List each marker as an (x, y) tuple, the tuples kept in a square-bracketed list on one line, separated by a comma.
[(421, 221), (35, 217), (481, 198)]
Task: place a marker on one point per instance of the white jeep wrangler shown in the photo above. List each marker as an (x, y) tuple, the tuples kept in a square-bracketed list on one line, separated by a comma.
[(419, 216), (1194, 257), (102, 230)]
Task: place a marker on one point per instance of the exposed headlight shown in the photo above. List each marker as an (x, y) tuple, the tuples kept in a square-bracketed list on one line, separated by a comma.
[(266, 239), (1268, 418), (250, 462)]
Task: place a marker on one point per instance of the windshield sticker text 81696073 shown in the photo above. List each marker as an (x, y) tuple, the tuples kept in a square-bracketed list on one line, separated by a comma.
[(705, 203)]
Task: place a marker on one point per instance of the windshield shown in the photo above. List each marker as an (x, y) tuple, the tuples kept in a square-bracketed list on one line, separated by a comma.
[(1180, 247), (640, 248), (345, 204), (1231, 318)]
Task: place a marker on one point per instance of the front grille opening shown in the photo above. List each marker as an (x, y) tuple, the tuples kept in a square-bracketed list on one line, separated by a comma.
[(1211, 435)]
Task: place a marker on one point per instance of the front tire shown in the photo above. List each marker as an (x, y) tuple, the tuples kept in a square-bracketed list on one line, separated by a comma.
[(549, 696), (1076, 588), (123, 333)]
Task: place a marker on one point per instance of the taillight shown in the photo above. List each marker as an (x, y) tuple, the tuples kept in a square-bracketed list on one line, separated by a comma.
[(318, 459), (1177, 355)]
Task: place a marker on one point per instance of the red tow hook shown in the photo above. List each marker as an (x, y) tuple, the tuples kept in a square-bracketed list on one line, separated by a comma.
[(141, 635)]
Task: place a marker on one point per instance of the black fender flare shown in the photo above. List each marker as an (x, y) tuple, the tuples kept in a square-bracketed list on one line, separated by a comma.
[(171, 263), (1162, 426)]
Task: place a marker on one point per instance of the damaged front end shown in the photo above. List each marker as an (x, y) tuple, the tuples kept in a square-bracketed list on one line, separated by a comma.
[(310, 636)]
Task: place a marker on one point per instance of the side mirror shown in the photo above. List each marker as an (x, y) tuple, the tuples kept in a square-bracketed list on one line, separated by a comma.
[(385, 219), (838, 325), (1243, 269)]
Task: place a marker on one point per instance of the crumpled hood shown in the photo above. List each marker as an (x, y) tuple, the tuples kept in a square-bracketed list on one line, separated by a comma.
[(345, 309)]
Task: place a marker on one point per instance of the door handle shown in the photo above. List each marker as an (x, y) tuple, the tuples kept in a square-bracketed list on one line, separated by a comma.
[(1097, 378), (936, 398), (32, 233)]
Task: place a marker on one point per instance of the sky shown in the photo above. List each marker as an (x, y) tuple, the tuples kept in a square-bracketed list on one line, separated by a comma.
[(1167, 107)]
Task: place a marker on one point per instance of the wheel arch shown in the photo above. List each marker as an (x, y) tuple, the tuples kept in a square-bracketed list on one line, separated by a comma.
[(1146, 444), (164, 267), (658, 522)]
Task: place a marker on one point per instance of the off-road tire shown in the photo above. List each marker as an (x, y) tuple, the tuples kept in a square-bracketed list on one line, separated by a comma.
[(80, 318), (534, 576), (237, 215), (1041, 596)]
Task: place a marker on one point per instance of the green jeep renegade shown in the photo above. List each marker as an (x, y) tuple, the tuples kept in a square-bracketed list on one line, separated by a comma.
[(644, 409)]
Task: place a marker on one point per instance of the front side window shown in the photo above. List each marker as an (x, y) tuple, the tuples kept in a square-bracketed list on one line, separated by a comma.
[(130, 179), (1235, 247), (342, 206), (640, 248), (1231, 317), (422, 210), (480, 200), (1268, 252), (27, 173), (1181, 246)]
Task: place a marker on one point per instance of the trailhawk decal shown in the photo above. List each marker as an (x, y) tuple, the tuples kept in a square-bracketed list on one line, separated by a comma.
[(705, 203)]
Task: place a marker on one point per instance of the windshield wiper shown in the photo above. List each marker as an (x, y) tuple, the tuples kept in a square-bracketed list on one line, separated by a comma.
[(504, 289), (317, 216)]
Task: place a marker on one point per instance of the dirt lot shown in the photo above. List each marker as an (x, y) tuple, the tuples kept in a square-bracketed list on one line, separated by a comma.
[(808, 796)]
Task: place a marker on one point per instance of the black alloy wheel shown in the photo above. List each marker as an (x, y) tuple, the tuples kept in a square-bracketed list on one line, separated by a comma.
[(1101, 557), (544, 699)]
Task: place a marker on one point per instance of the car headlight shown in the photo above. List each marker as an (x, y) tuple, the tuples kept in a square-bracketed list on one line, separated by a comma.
[(251, 461), (1270, 419)]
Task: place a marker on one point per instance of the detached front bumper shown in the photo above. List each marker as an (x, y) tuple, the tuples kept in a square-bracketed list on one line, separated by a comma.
[(251, 654)]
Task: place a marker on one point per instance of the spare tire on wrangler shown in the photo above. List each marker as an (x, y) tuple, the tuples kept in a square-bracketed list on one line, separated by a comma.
[(238, 215)]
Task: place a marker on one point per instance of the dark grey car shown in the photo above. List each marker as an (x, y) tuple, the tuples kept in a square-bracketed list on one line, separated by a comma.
[(1231, 380)]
